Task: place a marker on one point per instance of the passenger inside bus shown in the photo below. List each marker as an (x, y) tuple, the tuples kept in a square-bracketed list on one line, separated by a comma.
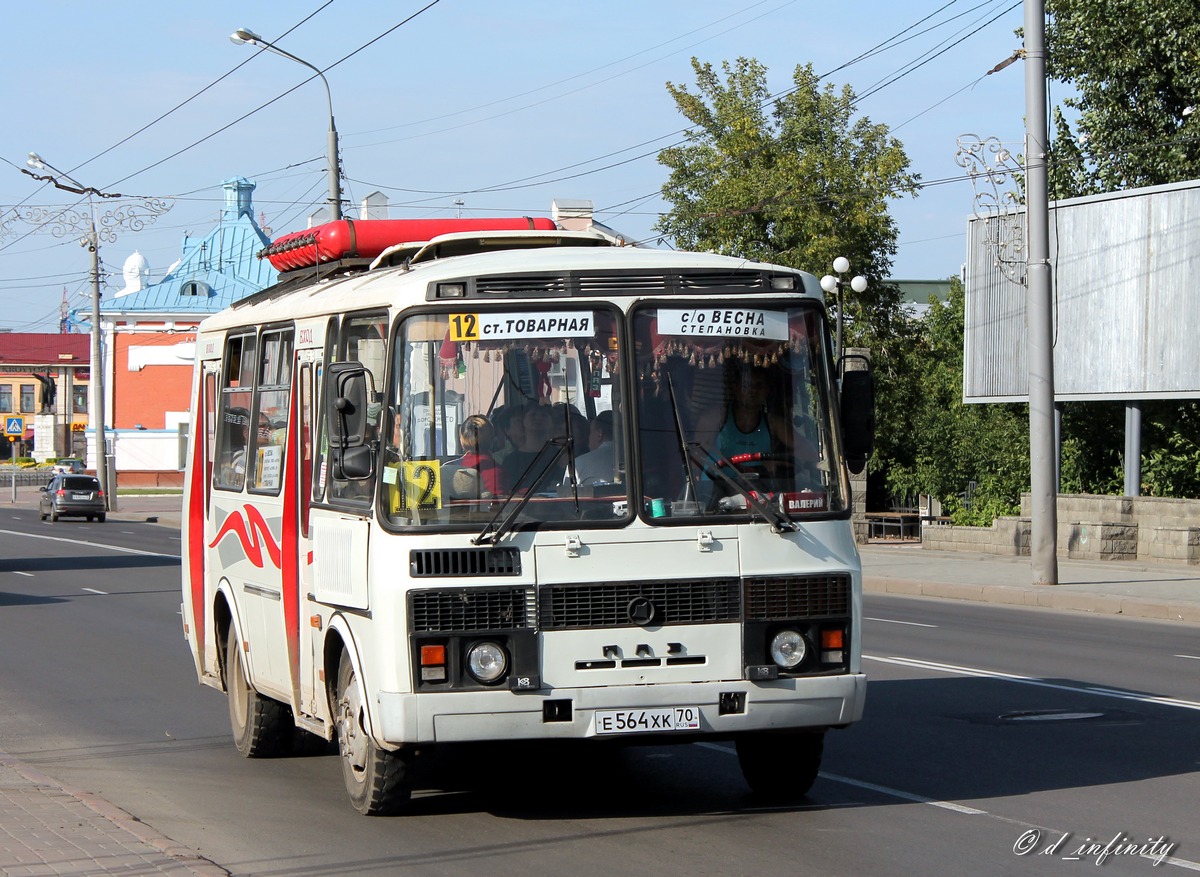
[(478, 476), (537, 432), (746, 428), (233, 464), (509, 431), (598, 465)]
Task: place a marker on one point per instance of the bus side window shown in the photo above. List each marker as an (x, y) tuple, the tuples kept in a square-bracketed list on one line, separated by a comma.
[(233, 426), (361, 344), (274, 406)]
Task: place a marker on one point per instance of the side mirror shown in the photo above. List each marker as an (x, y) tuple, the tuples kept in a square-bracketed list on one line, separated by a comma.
[(858, 416), (349, 388)]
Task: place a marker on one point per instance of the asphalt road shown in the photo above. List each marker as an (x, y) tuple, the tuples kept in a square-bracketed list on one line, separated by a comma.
[(988, 731)]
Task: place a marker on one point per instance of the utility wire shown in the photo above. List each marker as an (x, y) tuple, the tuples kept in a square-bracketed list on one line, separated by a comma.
[(278, 97)]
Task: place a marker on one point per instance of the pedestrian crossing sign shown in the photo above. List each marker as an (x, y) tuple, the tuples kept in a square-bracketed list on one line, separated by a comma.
[(14, 426)]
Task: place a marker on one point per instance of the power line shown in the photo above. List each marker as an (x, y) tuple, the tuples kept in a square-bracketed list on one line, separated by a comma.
[(278, 97)]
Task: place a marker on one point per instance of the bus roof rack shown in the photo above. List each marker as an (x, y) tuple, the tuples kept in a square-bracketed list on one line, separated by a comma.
[(363, 240)]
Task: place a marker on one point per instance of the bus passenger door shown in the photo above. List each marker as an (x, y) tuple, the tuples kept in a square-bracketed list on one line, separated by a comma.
[(198, 481), (309, 637)]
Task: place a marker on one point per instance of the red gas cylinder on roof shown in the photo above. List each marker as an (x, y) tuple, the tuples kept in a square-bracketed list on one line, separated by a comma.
[(367, 238)]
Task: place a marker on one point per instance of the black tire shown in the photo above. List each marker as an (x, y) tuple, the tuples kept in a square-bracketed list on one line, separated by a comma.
[(781, 767), (262, 727), (99, 519), (43, 516), (53, 517), (91, 518), (376, 779)]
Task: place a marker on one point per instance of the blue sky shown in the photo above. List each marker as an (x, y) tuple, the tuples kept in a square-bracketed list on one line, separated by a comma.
[(504, 106)]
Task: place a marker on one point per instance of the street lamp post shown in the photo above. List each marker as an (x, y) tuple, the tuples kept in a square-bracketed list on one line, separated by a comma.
[(243, 36), (63, 221), (96, 382), (829, 283)]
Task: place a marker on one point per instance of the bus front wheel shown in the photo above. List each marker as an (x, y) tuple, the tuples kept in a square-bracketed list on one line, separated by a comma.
[(376, 778), (261, 727), (781, 767)]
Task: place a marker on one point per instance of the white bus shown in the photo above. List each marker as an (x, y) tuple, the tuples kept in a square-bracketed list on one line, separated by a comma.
[(486, 480)]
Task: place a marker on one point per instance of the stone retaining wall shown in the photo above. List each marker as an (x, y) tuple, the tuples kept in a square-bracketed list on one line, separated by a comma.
[(1007, 536), (1151, 529)]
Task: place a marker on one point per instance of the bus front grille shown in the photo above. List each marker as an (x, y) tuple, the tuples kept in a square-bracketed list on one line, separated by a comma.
[(642, 604), (791, 597), (456, 610)]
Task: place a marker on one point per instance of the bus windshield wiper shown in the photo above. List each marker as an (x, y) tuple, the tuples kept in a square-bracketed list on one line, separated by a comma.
[(518, 500), (716, 468)]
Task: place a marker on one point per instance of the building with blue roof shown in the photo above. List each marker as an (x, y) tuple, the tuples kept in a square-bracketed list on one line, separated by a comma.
[(149, 338)]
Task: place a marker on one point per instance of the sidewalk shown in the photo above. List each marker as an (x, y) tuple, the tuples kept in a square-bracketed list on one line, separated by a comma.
[(1158, 591), (46, 829)]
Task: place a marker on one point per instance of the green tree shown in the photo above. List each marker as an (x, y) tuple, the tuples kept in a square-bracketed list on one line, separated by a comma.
[(798, 180), (793, 179), (952, 444), (1135, 67)]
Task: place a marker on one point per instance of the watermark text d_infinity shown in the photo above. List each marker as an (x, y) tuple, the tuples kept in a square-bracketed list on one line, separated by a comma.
[(1035, 843)]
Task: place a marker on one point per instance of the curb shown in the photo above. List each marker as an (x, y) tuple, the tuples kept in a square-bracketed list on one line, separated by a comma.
[(1049, 598)]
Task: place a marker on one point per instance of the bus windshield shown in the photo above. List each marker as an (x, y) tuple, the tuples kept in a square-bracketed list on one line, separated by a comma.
[(498, 413), (734, 412)]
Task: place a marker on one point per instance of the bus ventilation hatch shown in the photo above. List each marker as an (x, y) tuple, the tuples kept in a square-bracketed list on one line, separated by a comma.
[(432, 563)]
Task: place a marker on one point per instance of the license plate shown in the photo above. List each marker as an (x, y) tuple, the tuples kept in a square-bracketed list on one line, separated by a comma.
[(83, 496), (645, 721)]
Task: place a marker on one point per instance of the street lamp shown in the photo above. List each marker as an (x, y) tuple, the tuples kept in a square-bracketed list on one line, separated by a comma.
[(243, 36), (64, 221), (829, 283), (96, 382)]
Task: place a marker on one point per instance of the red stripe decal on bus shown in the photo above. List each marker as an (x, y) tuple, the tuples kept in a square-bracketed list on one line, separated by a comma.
[(290, 539), (248, 535), (196, 487)]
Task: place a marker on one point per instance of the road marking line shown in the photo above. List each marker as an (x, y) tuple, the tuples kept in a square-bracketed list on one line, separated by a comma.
[(1193, 657), (86, 542), (94, 591), (944, 805), (1035, 681), (884, 790), (20, 573), (893, 621), (906, 796)]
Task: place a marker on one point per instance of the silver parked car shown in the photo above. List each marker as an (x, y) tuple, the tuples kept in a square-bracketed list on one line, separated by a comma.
[(76, 496)]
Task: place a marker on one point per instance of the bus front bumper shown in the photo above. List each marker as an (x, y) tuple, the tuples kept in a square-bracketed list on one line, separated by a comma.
[(721, 709)]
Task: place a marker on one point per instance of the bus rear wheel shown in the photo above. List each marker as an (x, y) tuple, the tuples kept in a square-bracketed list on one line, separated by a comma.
[(781, 767), (376, 779), (262, 727)]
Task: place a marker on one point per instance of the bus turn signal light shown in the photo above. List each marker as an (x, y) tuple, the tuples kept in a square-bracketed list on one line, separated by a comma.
[(833, 645), (433, 663)]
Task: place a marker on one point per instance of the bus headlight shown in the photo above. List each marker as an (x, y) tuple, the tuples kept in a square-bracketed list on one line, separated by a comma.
[(788, 649), (487, 662)]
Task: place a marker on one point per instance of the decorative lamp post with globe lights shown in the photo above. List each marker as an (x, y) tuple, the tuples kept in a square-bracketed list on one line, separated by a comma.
[(837, 284)]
